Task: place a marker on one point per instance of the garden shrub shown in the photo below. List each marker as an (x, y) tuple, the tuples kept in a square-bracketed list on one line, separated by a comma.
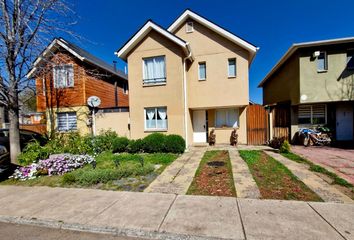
[(174, 144), (32, 153), (285, 147), (135, 146), (154, 143), (120, 144), (276, 142)]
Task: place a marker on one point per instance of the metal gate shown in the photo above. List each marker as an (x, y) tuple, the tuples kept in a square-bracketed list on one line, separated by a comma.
[(257, 125)]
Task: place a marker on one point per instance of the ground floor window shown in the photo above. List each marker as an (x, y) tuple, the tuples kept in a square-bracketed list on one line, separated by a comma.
[(155, 118), (67, 121), (227, 118), (312, 114)]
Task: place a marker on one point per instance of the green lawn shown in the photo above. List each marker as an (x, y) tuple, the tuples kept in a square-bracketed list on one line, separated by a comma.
[(274, 180), (213, 176), (130, 174)]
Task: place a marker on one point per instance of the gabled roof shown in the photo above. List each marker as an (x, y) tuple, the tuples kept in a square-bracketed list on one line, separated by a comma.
[(252, 49), (297, 46), (143, 31), (77, 52)]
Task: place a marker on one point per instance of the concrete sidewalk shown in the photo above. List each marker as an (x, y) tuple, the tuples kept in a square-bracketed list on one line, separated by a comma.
[(169, 216)]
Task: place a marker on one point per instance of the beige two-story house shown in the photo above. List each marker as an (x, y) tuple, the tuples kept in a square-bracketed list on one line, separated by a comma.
[(313, 85), (188, 79)]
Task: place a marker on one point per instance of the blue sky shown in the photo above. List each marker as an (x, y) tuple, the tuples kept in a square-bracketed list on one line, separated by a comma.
[(271, 25)]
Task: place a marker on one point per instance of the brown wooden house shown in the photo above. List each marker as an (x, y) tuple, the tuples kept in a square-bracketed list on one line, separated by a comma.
[(66, 75)]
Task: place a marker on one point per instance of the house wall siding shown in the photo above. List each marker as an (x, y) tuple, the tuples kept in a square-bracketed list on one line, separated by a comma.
[(284, 85), (88, 81), (208, 46), (169, 95), (336, 84)]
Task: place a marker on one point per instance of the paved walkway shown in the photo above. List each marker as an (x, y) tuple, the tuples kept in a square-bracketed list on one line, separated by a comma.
[(245, 185), (327, 192), (170, 216), (339, 161), (178, 176)]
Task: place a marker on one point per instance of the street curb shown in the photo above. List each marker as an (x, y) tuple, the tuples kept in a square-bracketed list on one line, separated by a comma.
[(139, 233)]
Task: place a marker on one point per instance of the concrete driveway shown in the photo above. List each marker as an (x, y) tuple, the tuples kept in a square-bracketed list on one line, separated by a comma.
[(339, 161)]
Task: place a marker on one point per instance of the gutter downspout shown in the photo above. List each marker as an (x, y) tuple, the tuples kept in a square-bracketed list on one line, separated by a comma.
[(185, 94)]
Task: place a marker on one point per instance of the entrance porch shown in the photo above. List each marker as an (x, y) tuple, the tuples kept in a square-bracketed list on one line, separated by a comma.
[(222, 121)]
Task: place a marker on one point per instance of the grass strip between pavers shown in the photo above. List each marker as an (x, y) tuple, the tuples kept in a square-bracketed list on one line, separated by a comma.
[(213, 176), (318, 168), (274, 180)]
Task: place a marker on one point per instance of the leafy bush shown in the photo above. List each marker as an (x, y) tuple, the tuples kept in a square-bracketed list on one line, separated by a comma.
[(32, 152), (73, 143), (285, 147), (276, 142), (120, 144), (154, 143), (174, 144), (135, 146)]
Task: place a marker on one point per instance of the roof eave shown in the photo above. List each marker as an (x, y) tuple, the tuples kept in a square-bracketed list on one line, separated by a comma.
[(124, 51), (228, 35)]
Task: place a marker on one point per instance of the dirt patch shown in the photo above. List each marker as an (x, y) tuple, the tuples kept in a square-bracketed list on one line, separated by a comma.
[(214, 176), (274, 180)]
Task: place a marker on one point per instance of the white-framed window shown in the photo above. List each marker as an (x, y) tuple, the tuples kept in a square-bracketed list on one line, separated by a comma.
[(227, 118), (322, 62), (202, 70), (312, 114), (125, 88), (67, 121), (231, 67), (350, 60), (63, 76), (154, 70), (189, 27), (155, 118)]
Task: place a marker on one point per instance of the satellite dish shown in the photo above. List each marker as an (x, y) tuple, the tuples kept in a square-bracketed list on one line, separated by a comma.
[(93, 101)]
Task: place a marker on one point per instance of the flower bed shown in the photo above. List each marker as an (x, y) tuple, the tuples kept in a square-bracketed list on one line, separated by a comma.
[(55, 165)]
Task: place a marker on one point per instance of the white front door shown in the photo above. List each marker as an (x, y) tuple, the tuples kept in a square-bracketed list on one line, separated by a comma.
[(199, 126), (344, 122)]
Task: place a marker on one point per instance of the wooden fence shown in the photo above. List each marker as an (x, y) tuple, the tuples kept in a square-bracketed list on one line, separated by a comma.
[(281, 121), (257, 125)]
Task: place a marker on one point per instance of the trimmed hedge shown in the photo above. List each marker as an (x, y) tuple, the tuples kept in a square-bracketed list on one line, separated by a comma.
[(106, 141), (174, 144), (154, 143)]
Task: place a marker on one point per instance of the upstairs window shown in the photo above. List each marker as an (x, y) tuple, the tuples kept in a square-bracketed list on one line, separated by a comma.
[(154, 70), (156, 119), (322, 64), (312, 114), (189, 27), (63, 76), (232, 67), (67, 121), (350, 60), (202, 71)]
